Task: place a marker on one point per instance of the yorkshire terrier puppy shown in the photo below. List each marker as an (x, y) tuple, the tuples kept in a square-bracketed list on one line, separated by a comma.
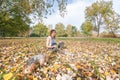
[(40, 59)]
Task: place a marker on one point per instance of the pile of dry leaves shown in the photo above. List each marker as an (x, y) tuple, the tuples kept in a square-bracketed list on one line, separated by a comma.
[(83, 60)]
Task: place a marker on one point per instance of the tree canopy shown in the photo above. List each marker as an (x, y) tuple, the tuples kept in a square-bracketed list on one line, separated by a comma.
[(86, 27), (15, 14), (40, 30), (71, 30), (60, 29), (97, 11), (101, 14)]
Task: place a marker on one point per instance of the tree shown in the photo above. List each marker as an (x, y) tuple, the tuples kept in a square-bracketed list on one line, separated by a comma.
[(50, 27), (74, 31), (86, 27), (69, 30), (60, 29), (40, 30), (78, 34), (96, 13), (15, 14), (36, 7), (112, 23), (14, 23)]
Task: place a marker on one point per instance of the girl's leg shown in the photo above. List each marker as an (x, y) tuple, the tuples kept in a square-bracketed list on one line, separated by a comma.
[(57, 50), (53, 49), (61, 51), (60, 45)]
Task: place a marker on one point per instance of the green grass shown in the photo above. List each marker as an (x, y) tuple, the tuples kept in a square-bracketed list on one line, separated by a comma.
[(113, 40)]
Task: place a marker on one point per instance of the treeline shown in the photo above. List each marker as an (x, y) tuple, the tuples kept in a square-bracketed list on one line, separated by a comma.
[(100, 21), (41, 30)]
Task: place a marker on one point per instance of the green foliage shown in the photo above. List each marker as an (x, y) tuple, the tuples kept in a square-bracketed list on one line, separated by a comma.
[(13, 22), (86, 27), (40, 30), (60, 29), (112, 23), (71, 30), (96, 13), (38, 7), (14, 14), (74, 31), (14, 26)]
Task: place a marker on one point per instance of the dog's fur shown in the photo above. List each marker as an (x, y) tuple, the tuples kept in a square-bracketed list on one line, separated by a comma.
[(40, 59)]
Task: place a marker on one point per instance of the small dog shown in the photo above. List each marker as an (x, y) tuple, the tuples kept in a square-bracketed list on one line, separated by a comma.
[(40, 59)]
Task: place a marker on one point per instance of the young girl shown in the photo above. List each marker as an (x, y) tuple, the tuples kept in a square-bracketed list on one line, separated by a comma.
[(51, 43)]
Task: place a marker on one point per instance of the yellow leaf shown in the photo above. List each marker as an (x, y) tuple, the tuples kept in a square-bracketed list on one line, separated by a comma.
[(13, 78), (78, 66), (89, 74), (106, 73), (46, 75), (20, 75), (52, 69), (49, 53), (78, 78), (56, 66), (13, 69), (102, 75), (68, 69), (109, 58), (22, 54), (7, 76), (63, 58), (35, 79), (29, 77), (45, 70), (112, 71), (52, 79)]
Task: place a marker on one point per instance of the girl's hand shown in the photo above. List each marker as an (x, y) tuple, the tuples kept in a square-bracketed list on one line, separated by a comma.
[(54, 46)]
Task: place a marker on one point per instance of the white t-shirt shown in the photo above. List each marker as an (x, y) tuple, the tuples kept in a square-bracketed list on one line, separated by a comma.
[(50, 41)]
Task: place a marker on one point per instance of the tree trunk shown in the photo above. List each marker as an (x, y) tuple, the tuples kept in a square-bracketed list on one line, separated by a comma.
[(113, 33), (98, 32), (99, 18), (1, 1)]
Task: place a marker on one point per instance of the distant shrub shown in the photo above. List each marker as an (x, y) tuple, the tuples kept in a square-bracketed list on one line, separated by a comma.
[(34, 35), (107, 35)]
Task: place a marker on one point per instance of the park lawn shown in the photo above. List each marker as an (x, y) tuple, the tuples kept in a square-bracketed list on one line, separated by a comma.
[(85, 58)]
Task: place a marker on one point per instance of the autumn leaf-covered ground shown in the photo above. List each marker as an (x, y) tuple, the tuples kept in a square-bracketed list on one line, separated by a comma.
[(84, 59)]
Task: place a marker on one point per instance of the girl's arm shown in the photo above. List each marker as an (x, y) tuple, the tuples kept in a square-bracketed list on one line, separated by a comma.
[(48, 43)]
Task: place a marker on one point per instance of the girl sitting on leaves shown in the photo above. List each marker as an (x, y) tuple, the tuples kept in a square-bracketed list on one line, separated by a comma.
[(51, 43)]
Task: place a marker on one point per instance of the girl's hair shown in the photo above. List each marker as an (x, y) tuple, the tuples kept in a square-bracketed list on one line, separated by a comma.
[(52, 32)]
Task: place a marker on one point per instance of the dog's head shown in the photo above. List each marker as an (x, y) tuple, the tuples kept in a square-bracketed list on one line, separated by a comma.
[(26, 70), (29, 68), (44, 60)]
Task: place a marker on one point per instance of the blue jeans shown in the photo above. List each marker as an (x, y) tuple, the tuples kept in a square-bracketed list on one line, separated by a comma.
[(58, 48)]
